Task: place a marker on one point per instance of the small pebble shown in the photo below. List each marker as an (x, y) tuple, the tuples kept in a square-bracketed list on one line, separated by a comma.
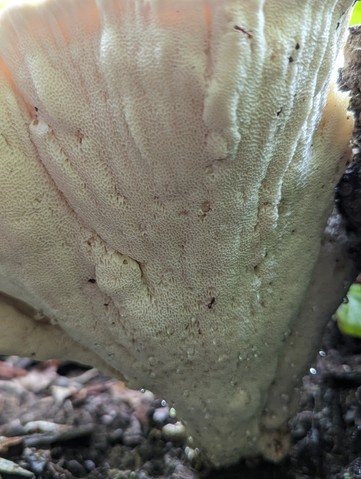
[(75, 468), (108, 419), (37, 465), (89, 465), (174, 432), (161, 414), (36, 459)]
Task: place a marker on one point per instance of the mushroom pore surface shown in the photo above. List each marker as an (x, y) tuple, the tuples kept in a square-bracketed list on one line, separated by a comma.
[(166, 173)]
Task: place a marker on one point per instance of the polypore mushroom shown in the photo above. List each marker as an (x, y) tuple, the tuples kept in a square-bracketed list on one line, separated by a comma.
[(166, 173)]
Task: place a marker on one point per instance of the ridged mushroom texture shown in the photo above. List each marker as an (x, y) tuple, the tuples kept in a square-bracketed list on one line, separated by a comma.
[(167, 168)]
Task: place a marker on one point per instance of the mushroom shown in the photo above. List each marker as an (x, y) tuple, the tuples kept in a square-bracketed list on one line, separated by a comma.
[(167, 168)]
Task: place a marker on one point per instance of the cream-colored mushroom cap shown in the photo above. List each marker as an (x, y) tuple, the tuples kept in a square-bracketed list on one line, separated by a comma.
[(166, 171)]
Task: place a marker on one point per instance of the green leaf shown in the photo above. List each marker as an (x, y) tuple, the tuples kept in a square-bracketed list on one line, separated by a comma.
[(356, 15), (348, 314)]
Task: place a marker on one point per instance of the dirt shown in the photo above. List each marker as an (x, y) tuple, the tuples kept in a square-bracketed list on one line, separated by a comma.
[(62, 421)]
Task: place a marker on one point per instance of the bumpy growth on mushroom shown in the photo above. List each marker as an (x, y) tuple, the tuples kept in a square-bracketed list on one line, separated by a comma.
[(166, 172)]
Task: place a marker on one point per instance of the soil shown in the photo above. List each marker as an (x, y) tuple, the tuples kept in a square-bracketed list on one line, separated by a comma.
[(63, 421)]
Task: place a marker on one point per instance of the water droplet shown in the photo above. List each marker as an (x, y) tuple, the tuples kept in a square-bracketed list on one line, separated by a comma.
[(190, 353), (322, 353), (313, 371), (163, 403)]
